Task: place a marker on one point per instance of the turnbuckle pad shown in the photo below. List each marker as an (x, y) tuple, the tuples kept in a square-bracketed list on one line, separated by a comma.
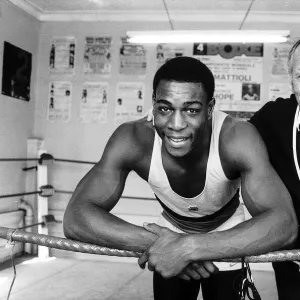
[(46, 159), (47, 191)]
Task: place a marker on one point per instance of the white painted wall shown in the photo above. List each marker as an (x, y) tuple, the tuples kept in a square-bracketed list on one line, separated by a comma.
[(16, 116)]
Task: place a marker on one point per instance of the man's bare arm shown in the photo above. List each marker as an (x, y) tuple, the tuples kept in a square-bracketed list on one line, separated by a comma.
[(274, 224), (87, 217)]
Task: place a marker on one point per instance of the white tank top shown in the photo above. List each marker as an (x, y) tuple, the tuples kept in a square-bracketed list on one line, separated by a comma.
[(218, 189)]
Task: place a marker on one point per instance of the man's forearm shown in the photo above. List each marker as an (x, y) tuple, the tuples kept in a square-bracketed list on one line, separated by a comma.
[(94, 225), (264, 233)]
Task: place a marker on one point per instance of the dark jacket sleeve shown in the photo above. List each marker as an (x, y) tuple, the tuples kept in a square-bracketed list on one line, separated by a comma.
[(274, 122), (262, 120)]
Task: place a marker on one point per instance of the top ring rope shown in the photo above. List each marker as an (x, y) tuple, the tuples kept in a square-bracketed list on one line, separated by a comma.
[(12, 234), (47, 158)]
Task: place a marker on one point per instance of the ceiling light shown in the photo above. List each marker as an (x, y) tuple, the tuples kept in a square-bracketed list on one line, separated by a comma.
[(209, 36)]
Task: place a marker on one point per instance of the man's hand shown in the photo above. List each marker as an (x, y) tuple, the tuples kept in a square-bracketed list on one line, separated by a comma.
[(168, 256), (198, 270)]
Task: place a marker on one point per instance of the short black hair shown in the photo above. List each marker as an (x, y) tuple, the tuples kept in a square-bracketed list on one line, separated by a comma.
[(186, 69)]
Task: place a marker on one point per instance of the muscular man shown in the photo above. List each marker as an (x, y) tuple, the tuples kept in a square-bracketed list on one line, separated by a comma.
[(195, 160), (278, 124)]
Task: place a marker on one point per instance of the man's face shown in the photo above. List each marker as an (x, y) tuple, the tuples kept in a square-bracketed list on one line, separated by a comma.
[(250, 89), (180, 115), (296, 75)]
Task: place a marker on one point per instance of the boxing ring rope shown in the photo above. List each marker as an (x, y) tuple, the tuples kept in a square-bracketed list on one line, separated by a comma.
[(48, 157), (19, 194), (123, 197), (45, 241), (17, 235)]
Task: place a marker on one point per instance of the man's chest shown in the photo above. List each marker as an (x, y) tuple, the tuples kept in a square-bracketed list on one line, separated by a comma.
[(186, 180)]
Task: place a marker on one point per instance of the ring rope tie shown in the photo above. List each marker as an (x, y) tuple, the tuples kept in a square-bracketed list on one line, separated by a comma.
[(45, 191), (75, 246)]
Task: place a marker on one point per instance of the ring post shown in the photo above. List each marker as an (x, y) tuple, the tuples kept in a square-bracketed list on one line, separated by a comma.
[(33, 147), (42, 205)]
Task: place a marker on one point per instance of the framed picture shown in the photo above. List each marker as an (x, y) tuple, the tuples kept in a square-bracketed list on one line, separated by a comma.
[(16, 72), (250, 91)]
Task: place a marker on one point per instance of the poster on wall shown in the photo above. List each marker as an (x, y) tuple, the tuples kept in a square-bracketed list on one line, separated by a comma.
[(97, 56), (238, 72), (279, 60), (59, 101), (130, 102), (62, 55), (16, 72), (133, 60), (277, 89), (164, 52), (242, 115), (93, 104)]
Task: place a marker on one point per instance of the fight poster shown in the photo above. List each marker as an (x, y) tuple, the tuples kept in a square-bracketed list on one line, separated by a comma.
[(93, 102), (62, 55), (164, 52), (279, 89), (59, 101), (130, 102), (97, 56), (238, 72), (133, 60)]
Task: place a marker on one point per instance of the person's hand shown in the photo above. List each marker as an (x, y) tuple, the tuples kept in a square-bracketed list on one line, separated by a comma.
[(198, 270), (149, 114), (168, 255)]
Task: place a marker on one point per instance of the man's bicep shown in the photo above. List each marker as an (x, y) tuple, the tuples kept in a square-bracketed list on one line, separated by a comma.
[(261, 187), (104, 183), (262, 190), (101, 187)]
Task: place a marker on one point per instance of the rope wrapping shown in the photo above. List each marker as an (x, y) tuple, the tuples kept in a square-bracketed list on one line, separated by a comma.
[(61, 243), (12, 234)]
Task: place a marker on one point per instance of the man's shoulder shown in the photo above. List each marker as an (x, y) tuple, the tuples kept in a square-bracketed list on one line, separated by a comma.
[(238, 141), (137, 134), (237, 132), (275, 113), (279, 106)]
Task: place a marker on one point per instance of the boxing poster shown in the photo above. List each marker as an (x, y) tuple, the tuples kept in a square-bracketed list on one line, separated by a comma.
[(93, 102), (62, 55), (133, 60), (16, 72), (164, 52), (59, 101), (279, 60), (97, 56), (277, 89), (130, 102), (238, 72)]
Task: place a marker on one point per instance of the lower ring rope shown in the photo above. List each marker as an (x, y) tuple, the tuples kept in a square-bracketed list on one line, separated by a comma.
[(17, 235)]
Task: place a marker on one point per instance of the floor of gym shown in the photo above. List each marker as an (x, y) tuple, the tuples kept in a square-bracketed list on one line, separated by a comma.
[(71, 278)]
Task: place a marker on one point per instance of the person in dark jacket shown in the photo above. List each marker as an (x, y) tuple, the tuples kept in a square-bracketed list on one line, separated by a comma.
[(278, 124)]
